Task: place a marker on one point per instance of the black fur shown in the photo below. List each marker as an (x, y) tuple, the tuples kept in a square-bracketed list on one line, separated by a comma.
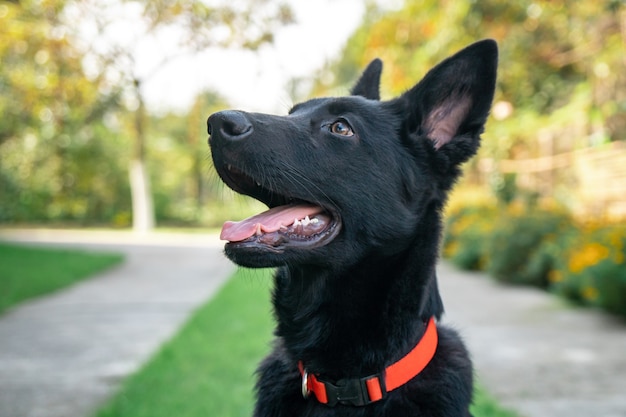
[(352, 305)]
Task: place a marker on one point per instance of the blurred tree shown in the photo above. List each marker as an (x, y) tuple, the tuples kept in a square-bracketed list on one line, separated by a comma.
[(69, 80), (179, 142), (58, 159), (196, 25), (562, 64)]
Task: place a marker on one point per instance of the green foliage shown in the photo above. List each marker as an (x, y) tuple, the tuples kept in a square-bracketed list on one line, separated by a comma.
[(561, 71), (61, 157), (43, 89), (27, 272), (589, 267), (513, 245), (81, 179), (484, 405), (187, 190), (544, 248), (466, 234), (72, 106), (505, 188)]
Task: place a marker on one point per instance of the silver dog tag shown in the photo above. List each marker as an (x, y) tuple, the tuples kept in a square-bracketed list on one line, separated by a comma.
[(305, 384)]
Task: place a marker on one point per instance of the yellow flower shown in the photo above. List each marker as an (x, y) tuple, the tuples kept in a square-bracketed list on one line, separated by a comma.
[(451, 249), (587, 256)]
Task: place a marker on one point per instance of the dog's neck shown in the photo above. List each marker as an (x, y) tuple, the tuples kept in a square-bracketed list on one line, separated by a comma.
[(356, 321)]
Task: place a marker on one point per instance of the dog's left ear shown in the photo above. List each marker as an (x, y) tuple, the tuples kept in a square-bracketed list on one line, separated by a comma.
[(368, 85), (451, 104)]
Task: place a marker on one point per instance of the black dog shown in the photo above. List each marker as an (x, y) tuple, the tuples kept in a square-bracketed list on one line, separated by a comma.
[(356, 187)]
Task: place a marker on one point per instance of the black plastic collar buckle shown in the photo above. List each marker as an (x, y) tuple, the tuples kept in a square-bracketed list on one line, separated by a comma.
[(352, 391)]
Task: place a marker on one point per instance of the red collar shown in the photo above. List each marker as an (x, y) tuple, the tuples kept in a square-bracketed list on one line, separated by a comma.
[(363, 391)]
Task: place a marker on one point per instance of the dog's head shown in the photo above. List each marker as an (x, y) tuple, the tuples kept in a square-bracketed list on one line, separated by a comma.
[(353, 176)]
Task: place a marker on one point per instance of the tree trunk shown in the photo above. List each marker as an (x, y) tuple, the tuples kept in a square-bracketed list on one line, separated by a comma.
[(141, 194), (143, 208)]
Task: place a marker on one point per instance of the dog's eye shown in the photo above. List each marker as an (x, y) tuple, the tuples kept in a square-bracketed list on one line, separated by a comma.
[(341, 127)]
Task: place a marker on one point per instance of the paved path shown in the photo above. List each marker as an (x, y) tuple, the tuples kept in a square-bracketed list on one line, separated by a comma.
[(62, 355), (536, 354)]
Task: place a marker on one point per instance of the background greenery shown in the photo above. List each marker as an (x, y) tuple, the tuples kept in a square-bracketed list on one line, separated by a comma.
[(27, 272), (74, 116), (542, 246), (70, 130)]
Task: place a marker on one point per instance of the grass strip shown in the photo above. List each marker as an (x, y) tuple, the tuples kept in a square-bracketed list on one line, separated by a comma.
[(486, 406), (208, 368), (27, 272)]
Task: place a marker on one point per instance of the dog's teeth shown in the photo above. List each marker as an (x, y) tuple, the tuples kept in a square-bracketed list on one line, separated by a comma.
[(306, 221), (315, 220), (258, 184)]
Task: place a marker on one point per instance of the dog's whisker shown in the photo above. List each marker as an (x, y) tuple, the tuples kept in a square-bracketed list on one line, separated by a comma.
[(302, 181)]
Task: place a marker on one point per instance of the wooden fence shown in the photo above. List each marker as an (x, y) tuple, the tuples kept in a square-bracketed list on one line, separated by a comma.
[(592, 181)]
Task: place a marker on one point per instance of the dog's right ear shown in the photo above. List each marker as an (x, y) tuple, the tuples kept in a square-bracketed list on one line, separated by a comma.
[(368, 85), (450, 105)]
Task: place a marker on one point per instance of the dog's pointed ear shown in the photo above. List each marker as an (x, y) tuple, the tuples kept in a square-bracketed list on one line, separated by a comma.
[(368, 85), (452, 102)]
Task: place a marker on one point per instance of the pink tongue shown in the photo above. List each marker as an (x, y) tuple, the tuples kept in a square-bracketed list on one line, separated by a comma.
[(267, 222)]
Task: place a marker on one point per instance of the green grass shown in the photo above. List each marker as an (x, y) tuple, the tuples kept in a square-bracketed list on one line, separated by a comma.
[(27, 272), (486, 406), (208, 368)]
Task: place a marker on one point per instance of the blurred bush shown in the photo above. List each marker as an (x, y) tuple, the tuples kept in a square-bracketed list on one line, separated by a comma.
[(465, 239), (543, 247), (589, 267), (514, 246)]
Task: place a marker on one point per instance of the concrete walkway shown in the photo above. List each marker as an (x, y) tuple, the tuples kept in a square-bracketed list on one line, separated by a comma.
[(62, 355), (533, 352)]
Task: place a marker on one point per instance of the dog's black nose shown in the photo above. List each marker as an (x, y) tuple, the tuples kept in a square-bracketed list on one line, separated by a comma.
[(229, 124)]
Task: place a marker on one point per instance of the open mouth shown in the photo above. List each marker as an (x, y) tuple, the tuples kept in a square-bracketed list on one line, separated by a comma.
[(290, 221)]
